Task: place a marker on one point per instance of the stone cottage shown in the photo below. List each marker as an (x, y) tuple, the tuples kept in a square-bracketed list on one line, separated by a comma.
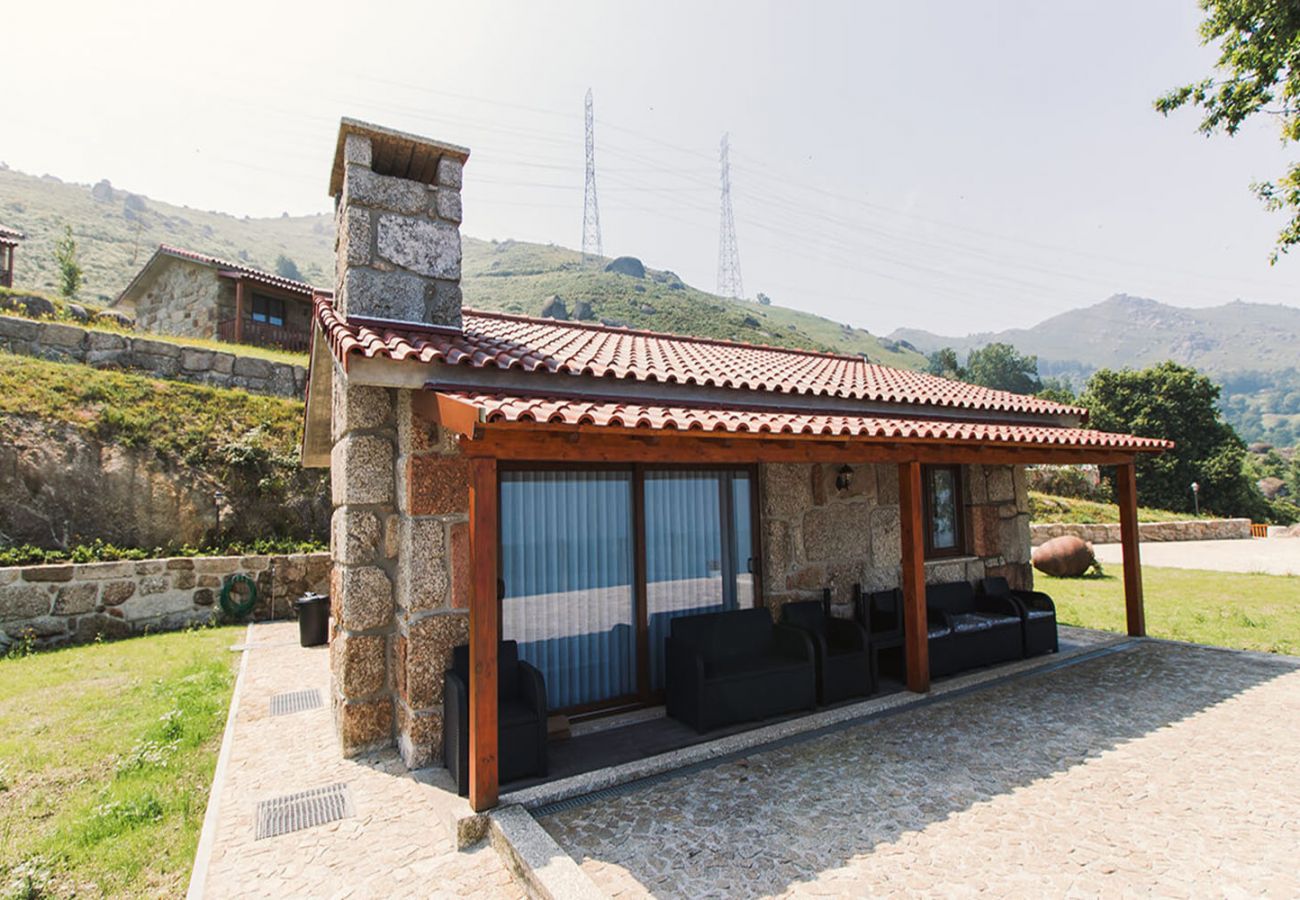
[(574, 487), (192, 294)]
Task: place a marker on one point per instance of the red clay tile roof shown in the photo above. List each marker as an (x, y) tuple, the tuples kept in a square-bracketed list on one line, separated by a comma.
[(562, 411), (9, 236), (288, 284), (528, 344)]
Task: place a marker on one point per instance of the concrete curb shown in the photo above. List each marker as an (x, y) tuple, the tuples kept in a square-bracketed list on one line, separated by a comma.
[(535, 859), (203, 854)]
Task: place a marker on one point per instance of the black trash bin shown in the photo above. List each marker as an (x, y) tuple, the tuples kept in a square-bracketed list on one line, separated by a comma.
[(313, 619)]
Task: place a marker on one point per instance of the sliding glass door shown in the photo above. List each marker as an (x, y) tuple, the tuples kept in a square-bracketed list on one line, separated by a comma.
[(597, 563), (570, 598)]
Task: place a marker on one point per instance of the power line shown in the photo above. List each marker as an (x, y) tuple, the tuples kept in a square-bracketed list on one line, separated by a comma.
[(729, 284), (591, 246)]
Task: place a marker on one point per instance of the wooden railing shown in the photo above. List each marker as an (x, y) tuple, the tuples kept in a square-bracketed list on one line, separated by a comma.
[(260, 334), (1258, 530)]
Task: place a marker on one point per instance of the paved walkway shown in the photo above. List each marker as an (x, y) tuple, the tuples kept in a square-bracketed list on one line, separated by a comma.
[(1271, 556), (395, 846), (1160, 768)]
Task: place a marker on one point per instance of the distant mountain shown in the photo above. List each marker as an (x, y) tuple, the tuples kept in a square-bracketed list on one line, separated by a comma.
[(117, 230), (1251, 349), (1134, 331)]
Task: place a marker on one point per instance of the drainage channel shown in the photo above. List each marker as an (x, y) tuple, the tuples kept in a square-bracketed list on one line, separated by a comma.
[(647, 781)]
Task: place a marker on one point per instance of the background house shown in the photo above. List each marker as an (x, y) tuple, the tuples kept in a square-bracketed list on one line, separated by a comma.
[(8, 243), (187, 293)]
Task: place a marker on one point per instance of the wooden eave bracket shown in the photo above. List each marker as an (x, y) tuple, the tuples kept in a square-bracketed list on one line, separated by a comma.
[(448, 412)]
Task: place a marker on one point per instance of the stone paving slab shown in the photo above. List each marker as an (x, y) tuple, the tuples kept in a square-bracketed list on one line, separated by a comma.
[(1159, 768), (397, 845), (1270, 556)]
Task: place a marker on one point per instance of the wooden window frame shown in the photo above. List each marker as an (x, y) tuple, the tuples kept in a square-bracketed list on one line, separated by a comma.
[(959, 547), (267, 304)]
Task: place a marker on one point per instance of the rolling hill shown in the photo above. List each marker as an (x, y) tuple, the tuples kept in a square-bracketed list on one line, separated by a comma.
[(117, 230)]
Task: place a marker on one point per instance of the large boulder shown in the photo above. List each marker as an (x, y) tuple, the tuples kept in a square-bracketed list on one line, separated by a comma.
[(1064, 557), (627, 265), (555, 309), (32, 306)]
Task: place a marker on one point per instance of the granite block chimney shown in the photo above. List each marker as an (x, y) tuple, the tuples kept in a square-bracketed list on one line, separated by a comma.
[(397, 218)]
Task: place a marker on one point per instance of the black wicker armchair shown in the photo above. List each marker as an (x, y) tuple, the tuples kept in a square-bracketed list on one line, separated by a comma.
[(841, 648), (521, 717), (1037, 615)]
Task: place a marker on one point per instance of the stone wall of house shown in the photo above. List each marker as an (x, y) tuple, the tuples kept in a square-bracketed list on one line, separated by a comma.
[(70, 603), (815, 536), (62, 342), (1192, 530), (181, 299), (400, 584)]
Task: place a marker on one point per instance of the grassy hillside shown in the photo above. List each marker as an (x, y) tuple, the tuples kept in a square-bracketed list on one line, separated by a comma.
[(116, 231)]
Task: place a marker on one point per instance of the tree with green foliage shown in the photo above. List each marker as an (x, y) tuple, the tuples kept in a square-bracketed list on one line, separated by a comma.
[(1258, 71), (1059, 390), (1180, 404), (65, 254), (1002, 367), (945, 364), (287, 268)]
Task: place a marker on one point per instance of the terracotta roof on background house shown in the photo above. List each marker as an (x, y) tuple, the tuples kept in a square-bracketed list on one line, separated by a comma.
[(225, 265), (503, 341), (565, 411), (10, 236)]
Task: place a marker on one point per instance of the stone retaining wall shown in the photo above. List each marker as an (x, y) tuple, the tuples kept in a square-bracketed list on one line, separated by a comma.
[(76, 603), (62, 342), (1194, 530)]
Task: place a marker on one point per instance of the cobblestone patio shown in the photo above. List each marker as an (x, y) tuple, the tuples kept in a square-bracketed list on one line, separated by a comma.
[(1160, 768), (395, 846)]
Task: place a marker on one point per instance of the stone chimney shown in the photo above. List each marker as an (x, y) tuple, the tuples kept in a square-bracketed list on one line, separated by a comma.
[(397, 217)]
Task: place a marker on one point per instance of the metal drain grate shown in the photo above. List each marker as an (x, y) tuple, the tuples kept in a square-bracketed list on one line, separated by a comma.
[(295, 701), (295, 812)]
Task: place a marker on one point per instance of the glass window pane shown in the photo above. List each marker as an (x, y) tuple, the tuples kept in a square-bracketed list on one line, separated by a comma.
[(742, 517), (566, 559), (943, 509), (697, 543)]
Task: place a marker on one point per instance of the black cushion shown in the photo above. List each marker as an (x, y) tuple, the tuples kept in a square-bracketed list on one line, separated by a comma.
[(965, 623), (747, 666), (1040, 614)]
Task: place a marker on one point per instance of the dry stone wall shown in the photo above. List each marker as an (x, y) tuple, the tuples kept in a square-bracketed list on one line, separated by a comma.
[(76, 603), (62, 342), (816, 536), (1193, 530)]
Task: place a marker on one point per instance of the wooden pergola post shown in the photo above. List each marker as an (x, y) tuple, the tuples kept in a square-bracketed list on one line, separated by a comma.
[(1126, 481), (483, 635), (916, 645), (239, 310)]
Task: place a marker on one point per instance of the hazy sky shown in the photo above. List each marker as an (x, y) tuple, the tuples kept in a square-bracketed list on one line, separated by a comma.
[(954, 166)]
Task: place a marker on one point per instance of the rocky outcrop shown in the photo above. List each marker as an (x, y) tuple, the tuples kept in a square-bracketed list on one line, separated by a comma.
[(61, 485)]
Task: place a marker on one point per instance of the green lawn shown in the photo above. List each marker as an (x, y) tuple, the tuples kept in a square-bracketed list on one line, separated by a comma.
[(106, 758), (1246, 612)]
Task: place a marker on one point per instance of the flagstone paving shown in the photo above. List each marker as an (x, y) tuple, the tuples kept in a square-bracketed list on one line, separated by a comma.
[(1161, 768), (395, 846)]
